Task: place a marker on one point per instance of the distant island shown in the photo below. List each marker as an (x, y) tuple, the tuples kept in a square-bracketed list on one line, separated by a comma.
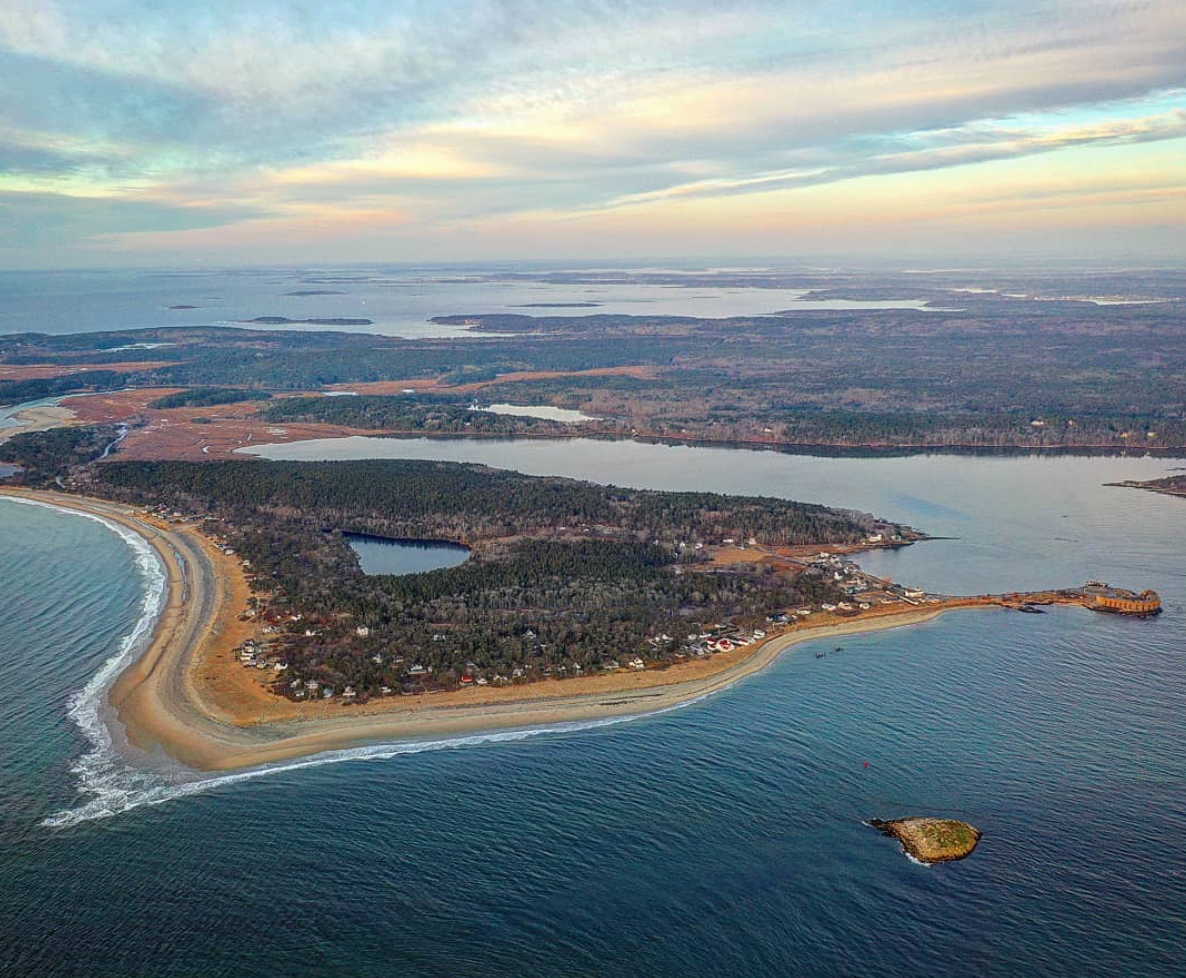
[(1172, 485), (183, 307), (306, 292), (931, 840)]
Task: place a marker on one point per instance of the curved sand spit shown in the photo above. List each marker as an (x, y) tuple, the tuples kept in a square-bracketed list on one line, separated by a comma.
[(162, 706)]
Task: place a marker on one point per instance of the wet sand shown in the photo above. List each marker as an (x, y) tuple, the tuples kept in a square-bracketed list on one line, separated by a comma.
[(179, 698), (37, 419)]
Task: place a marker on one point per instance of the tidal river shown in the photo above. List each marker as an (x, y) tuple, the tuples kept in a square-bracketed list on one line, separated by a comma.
[(725, 837)]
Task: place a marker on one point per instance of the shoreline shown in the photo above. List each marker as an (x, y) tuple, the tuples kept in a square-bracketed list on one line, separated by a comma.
[(40, 418), (166, 705), (812, 448)]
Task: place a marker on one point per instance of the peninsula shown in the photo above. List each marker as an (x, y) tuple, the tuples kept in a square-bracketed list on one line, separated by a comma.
[(216, 688)]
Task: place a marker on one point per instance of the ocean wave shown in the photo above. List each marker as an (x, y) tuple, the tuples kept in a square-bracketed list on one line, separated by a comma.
[(100, 771), (119, 788)]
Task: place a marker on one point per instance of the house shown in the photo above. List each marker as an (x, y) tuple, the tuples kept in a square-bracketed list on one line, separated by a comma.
[(349, 693), (828, 607), (362, 631), (417, 670)]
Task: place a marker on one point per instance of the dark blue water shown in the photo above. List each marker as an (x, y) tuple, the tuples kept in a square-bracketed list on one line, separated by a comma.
[(721, 838), (379, 555)]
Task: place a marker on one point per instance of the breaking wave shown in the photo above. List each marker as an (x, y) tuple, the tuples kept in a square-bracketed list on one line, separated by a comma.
[(117, 787), (99, 769)]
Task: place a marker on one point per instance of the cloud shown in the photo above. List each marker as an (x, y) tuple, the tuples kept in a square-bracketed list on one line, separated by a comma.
[(29, 220), (957, 147), (447, 111)]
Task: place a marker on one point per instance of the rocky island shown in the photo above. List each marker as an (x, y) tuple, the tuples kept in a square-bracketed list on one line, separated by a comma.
[(931, 840)]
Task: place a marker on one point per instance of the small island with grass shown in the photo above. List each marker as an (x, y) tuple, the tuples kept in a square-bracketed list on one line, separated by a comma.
[(931, 840)]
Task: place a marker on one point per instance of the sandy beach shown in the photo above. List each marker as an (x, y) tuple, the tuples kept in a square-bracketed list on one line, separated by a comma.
[(187, 697), (37, 419)]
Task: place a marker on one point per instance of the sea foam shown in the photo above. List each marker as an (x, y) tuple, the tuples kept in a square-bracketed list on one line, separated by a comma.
[(119, 787)]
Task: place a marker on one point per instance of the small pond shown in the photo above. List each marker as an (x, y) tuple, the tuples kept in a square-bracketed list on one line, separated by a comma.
[(381, 555)]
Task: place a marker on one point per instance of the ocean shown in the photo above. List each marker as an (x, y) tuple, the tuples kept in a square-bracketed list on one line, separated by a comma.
[(399, 300), (725, 837)]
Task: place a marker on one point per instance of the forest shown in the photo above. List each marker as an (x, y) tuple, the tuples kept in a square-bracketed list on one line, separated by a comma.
[(402, 413), (48, 456), (208, 397), (997, 373), (564, 576), (18, 391)]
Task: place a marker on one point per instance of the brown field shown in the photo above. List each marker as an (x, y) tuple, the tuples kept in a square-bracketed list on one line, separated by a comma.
[(173, 434), (47, 371)]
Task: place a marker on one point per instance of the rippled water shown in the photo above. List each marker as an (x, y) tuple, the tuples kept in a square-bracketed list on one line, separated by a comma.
[(722, 838)]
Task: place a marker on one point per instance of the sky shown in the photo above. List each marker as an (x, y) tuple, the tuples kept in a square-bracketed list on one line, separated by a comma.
[(147, 132)]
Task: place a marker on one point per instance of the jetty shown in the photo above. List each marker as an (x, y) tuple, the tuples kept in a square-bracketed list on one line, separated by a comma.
[(1094, 595)]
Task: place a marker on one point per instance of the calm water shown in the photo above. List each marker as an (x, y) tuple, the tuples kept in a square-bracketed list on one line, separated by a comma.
[(378, 555), (721, 838), (545, 411), (399, 300)]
